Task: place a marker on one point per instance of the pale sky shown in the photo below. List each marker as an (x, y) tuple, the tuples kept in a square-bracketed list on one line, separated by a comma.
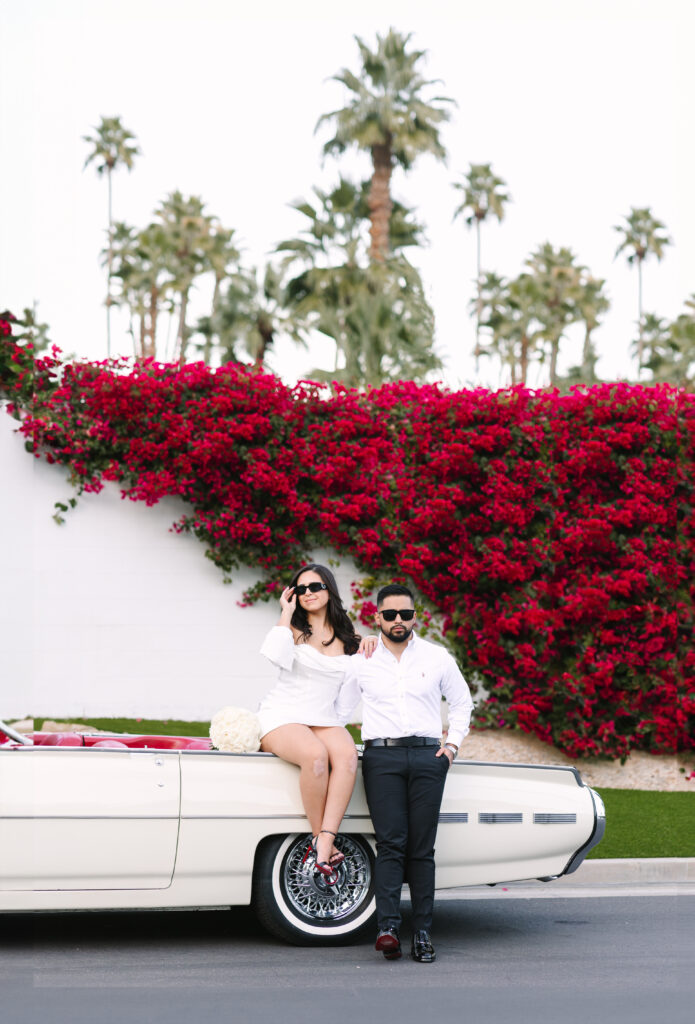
[(585, 109)]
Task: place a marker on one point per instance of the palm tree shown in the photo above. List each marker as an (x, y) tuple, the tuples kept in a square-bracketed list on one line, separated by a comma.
[(670, 347), (592, 304), (511, 311), (189, 232), (337, 220), (222, 256), (375, 311), (483, 194), (657, 350), (143, 264), (642, 236), (113, 146), (558, 279), (387, 116), (683, 340), (252, 314)]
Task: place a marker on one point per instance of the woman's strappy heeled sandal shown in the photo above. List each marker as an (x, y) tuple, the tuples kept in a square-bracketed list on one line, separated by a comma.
[(335, 858), (325, 868)]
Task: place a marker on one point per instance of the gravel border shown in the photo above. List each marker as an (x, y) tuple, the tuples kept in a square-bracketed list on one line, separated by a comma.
[(665, 772)]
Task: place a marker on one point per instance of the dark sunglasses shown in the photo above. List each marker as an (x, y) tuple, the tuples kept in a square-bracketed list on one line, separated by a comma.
[(313, 587), (390, 614)]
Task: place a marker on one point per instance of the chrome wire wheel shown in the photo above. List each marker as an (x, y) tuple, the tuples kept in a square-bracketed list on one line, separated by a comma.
[(295, 902), (312, 895)]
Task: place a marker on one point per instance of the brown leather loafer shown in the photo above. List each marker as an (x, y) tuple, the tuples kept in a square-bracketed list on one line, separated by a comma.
[(422, 949), (388, 943)]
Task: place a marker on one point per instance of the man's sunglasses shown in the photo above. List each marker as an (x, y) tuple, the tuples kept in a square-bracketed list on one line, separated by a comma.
[(390, 614), (313, 587)]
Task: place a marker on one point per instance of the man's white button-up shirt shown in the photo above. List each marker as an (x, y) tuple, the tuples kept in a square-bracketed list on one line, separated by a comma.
[(403, 698)]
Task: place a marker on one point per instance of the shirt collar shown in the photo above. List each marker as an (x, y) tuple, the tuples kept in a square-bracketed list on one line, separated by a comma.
[(411, 641)]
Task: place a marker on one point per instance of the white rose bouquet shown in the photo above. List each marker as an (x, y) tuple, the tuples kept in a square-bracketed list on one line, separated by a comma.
[(236, 731)]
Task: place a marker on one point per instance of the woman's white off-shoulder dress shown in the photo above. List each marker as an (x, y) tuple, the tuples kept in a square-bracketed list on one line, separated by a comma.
[(308, 683)]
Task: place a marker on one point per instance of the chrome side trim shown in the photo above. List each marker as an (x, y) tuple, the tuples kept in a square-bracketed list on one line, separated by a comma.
[(89, 817), (550, 818), (596, 836), (447, 817), (169, 817), (243, 817), (46, 747), (262, 817), (500, 818)]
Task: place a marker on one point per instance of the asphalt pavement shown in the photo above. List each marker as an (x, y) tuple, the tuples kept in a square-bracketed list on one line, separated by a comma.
[(554, 960)]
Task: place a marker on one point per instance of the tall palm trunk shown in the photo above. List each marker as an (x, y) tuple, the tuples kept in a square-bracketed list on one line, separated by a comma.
[(554, 350), (143, 334), (207, 347), (588, 359), (109, 271), (479, 300), (379, 202), (267, 337), (523, 358), (640, 325), (182, 330), (216, 296), (150, 346)]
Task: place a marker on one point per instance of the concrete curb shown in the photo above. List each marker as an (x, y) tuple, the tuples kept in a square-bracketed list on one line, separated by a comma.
[(657, 876), (628, 871)]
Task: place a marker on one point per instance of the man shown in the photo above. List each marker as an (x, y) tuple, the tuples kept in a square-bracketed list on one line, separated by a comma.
[(404, 765)]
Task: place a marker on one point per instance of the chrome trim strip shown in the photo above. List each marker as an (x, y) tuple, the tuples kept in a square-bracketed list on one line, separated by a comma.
[(262, 817), (101, 750), (447, 817), (89, 817), (244, 817), (167, 817), (500, 817), (550, 818), (596, 836)]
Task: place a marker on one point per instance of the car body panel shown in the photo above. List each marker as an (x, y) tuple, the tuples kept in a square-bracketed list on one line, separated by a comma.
[(87, 828), (77, 818)]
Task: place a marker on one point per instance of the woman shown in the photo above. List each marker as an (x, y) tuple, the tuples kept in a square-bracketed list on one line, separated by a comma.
[(310, 645)]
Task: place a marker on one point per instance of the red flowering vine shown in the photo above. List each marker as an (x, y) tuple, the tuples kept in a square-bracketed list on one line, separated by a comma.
[(553, 534)]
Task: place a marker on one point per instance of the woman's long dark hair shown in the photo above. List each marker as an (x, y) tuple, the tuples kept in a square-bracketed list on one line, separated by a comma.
[(336, 615)]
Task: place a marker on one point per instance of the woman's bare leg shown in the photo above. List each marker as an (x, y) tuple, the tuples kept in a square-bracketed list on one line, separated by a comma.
[(342, 757), (298, 745)]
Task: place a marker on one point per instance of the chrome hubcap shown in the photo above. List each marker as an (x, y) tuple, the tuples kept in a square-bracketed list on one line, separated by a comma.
[(308, 891)]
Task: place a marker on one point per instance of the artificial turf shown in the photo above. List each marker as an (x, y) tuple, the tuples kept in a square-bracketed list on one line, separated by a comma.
[(140, 726), (647, 823)]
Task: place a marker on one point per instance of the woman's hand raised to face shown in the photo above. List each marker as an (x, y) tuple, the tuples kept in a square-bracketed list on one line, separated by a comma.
[(288, 601), (368, 645)]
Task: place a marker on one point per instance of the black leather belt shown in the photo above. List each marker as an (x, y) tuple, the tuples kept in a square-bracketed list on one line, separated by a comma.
[(405, 741)]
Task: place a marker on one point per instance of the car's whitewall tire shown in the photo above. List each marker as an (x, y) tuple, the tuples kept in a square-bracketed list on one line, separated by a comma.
[(294, 901)]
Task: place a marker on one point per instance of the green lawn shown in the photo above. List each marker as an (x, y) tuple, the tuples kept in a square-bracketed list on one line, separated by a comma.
[(639, 823), (172, 727), (646, 823)]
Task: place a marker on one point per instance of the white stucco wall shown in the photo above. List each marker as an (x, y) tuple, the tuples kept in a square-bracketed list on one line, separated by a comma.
[(113, 615)]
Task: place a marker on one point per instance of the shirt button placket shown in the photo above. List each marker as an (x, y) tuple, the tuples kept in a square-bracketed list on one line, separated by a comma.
[(401, 701)]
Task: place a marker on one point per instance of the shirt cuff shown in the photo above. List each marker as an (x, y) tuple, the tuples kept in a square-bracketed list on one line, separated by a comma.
[(454, 736)]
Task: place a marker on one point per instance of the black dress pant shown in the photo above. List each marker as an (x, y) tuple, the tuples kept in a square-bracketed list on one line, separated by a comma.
[(404, 787)]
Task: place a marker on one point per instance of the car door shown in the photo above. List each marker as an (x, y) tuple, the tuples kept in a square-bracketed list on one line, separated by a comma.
[(88, 818)]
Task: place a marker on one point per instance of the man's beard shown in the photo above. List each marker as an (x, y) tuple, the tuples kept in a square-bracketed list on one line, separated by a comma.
[(399, 638)]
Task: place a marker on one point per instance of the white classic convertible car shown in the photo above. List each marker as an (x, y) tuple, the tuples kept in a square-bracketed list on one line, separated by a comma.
[(125, 821)]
